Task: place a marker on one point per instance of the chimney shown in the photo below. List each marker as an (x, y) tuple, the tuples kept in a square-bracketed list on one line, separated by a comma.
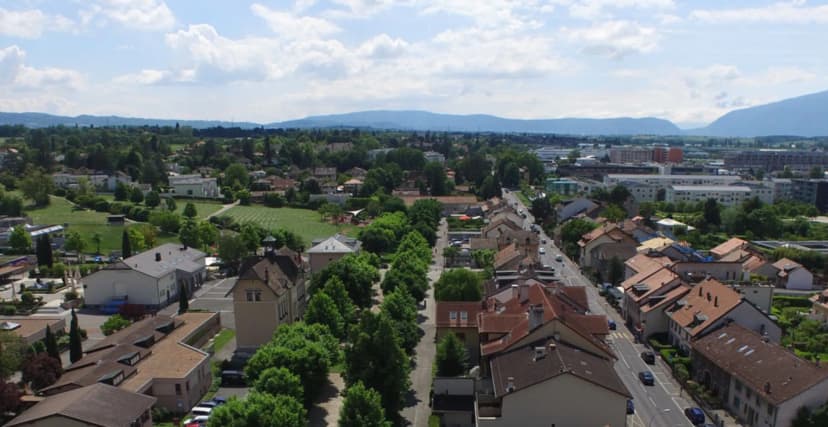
[(158, 257), (535, 316), (540, 353), (510, 384), (700, 291), (708, 296), (716, 301), (515, 291)]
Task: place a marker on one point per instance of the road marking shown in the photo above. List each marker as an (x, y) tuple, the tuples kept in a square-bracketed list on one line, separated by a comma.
[(650, 398)]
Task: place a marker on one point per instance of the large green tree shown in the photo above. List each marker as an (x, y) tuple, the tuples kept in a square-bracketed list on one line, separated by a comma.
[(276, 381), (74, 242), (435, 176), (459, 285), (362, 408), (36, 187), (323, 310), (401, 307), (13, 354), (376, 359), (452, 356), (357, 274), (712, 215), (19, 240), (260, 409)]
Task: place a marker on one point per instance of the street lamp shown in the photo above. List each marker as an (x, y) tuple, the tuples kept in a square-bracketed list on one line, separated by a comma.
[(657, 414)]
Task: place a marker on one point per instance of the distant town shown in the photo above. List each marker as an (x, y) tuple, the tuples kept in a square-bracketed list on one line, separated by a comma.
[(172, 276)]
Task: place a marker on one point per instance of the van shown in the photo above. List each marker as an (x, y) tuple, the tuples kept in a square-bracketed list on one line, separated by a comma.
[(233, 378)]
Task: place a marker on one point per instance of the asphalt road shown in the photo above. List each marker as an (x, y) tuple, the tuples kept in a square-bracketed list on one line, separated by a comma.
[(658, 405), (417, 409)]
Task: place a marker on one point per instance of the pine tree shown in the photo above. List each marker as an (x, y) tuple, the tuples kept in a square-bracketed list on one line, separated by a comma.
[(126, 246), (75, 347), (183, 300), (51, 344)]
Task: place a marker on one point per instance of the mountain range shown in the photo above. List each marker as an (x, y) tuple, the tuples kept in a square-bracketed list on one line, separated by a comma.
[(801, 116)]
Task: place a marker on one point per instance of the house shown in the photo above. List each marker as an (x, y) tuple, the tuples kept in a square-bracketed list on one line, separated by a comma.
[(152, 278), (96, 405), (758, 381), (599, 246), (324, 252), (453, 401), (644, 261), (710, 304), (546, 382), (352, 185), (654, 245), (194, 186), (451, 204), (792, 275), (157, 356), (500, 224), (433, 156), (729, 247), (819, 307), (270, 291), (32, 329), (694, 271), (325, 173), (645, 297), (460, 318), (512, 257)]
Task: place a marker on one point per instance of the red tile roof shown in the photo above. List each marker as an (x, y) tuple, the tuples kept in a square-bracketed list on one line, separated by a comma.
[(705, 304), (728, 247)]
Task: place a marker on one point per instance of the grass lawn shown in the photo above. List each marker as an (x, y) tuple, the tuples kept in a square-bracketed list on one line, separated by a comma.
[(87, 222), (222, 339), (204, 208), (306, 223), (433, 421)]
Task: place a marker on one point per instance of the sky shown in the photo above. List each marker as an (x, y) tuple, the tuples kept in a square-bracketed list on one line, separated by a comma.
[(686, 61)]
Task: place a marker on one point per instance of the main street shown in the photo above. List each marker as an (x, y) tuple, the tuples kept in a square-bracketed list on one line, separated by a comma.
[(658, 405)]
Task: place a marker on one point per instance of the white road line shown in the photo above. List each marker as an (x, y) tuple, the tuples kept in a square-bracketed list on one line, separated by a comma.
[(650, 398)]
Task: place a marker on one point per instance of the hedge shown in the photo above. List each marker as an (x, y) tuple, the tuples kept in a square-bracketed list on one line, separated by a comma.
[(784, 301)]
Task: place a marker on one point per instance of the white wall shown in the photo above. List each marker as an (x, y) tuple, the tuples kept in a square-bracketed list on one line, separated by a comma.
[(800, 278), (812, 398), (101, 286), (749, 317)]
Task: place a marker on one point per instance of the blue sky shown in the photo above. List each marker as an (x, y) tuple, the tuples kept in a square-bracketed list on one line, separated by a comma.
[(687, 61)]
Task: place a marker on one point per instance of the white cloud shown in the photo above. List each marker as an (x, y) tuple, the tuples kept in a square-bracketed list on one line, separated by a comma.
[(793, 12), (153, 77), (145, 15), (363, 8), (30, 24), (15, 74), (291, 26), (597, 9), (615, 39), (383, 46)]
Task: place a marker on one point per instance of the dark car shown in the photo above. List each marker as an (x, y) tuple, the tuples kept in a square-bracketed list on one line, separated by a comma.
[(233, 379), (648, 357), (646, 378), (695, 415), (611, 324), (630, 407)]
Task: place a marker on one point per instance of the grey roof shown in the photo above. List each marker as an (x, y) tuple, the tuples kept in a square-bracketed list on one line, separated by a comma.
[(336, 244), (173, 257), (575, 207), (706, 188), (98, 404)]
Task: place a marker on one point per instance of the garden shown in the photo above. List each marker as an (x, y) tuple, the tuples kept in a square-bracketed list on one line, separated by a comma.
[(306, 223), (807, 337)]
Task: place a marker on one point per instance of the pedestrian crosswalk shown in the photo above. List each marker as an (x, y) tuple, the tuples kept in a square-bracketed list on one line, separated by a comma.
[(619, 335)]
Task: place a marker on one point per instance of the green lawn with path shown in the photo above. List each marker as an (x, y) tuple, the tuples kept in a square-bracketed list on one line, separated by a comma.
[(306, 223)]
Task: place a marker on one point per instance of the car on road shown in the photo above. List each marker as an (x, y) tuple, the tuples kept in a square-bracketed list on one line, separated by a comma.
[(646, 378), (630, 407), (543, 241), (542, 250), (648, 357), (695, 415), (611, 325), (202, 410), (200, 420), (559, 258)]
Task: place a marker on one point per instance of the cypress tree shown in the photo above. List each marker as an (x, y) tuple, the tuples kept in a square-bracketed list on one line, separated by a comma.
[(75, 347), (126, 246), (183, 300), (51, 344)]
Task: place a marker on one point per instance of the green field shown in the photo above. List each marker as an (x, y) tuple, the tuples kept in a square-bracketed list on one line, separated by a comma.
[(305, 223), (87, 222), (204, 208)]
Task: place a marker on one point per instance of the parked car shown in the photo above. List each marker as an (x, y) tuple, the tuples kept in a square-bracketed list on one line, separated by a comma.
[(646, 378), (200, 420), (630, 407), (559, 258), (231, 378), (611, 325), (202, 410), (542, 250), (648, 357), (543, 241), (695, 415)]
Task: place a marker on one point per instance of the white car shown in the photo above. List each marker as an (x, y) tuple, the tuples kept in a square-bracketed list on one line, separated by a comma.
[(202, 410), (200, 419), (542, 250)]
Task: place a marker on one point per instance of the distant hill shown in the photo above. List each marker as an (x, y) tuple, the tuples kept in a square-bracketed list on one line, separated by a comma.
[(423, 120), (39, 120), (801, 116)]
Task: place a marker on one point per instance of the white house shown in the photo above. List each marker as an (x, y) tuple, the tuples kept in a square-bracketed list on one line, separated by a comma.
[(793, 275), (194, 186), (151, 278), (326, 251)]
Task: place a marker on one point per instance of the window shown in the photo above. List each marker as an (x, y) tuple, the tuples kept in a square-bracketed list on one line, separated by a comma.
[(770, 410), (464, 315), (178, 389), (452, 315), (736, 402), (747, 392), (254, 295), (738, 386)]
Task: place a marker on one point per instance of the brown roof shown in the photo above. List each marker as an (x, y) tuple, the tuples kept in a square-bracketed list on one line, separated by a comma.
[(645, 263), (706, 303), (728, 247), (771, 371), (30, 326), (279, 271), (476, 243), (753, 263), (445, 308), (654, 282), (525, 369), (506, 255), (97, 405), (785, 266), (446, 200), (665, 299)]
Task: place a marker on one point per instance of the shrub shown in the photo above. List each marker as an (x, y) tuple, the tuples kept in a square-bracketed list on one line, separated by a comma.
[(8, 310), (160, 414), (70, 296), (27, 298), (101, 205), (114, 323)]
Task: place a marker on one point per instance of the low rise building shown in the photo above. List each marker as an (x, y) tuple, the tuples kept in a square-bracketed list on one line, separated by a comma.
[(269, 292), (727, 195), (326, 251), (792, 275), (32, 329), (96, 405), (646, 188), (758, 381), (194, 186), (646, 295), (599, 246), (152, 278), (433, 156), (460, 318)]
